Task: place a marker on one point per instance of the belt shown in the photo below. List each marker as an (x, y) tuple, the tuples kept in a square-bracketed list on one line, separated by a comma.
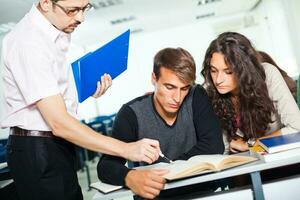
[(22, 132)]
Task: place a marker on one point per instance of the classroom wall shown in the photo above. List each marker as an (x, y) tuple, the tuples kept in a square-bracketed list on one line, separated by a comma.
[(266, 26), (272, 26), (292, 15)]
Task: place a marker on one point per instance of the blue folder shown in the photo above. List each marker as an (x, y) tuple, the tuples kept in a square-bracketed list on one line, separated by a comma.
[(110, 58)]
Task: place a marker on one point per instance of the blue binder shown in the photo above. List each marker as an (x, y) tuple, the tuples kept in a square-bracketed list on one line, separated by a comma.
[(111, 59)]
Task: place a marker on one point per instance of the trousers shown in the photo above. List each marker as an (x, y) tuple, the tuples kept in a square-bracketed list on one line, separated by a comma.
[(43, 168)]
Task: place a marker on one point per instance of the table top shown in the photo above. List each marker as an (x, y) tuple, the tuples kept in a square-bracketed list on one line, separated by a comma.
[(239, 170)]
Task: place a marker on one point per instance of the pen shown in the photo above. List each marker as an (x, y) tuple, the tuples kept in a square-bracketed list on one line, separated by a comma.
[(165, 158)]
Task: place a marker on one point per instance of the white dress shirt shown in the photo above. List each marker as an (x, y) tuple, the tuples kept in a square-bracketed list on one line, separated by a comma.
[(34, 67)]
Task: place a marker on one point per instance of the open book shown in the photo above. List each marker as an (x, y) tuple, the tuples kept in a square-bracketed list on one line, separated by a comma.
[(200, 164)]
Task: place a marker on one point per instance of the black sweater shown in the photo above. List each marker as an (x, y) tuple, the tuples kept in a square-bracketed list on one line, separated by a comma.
[(207, 132)]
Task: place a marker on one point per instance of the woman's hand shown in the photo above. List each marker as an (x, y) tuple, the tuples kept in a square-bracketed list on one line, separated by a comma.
[(238, 145)]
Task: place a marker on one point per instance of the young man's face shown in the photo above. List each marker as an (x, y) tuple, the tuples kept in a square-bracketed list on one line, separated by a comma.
[(66, 15), (169, 92)]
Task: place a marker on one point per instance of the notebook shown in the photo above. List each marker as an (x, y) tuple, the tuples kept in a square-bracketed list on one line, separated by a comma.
[(3, 165), (262, 154), (111, 59), (281, 143), (104, 187)]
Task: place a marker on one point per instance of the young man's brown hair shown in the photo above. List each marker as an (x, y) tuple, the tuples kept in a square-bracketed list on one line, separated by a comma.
[(178, 60)]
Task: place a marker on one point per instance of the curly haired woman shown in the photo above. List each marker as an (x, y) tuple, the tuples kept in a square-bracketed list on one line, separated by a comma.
[(251, 98)]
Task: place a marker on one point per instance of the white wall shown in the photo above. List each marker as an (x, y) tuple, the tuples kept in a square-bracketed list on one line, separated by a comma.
[(292, 14), (266, 26), (272, 27), (280, 44)]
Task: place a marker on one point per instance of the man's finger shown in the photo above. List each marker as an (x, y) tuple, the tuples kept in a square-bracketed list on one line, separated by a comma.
[(97, 89), (109, 80), (154, 146), (103, 85), (152, 192), (149, 156), (154, 143)]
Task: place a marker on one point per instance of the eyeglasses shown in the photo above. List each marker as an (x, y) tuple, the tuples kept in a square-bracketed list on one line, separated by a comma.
[(72, 11)]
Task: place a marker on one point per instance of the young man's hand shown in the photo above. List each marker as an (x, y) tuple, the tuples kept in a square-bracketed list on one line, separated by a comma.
[(146, 183), (145, 150), (106, 82)]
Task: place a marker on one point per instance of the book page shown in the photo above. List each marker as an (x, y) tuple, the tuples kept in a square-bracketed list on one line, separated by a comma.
[(178, 165), (235, 160), (220, 161), (214, 159), (189, 169), (181, 168), (200, 164)]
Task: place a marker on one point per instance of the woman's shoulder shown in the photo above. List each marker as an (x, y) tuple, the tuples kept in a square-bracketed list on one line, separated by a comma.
[(270, 69), (272, 74)]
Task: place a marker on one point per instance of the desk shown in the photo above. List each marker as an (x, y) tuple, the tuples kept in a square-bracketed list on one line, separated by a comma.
[(253, 169)]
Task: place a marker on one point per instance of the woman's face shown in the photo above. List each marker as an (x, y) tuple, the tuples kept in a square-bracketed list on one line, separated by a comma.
[(222, 76)]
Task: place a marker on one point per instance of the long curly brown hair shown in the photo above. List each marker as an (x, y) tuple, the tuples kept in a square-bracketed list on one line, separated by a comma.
[(254, 103)]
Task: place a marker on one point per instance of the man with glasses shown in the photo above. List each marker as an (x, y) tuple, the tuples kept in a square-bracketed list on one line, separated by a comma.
[(71, 12), (40, 105)]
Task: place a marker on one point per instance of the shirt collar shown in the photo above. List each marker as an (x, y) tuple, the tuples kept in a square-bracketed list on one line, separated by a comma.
[(45, 26)]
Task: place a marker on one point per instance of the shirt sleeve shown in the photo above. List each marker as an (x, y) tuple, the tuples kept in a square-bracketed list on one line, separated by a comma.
[(32, 69), (111, 169), (207, 126), (285, 104)]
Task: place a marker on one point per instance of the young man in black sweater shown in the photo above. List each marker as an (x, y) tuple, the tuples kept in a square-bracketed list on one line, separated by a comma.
[(178, 114)]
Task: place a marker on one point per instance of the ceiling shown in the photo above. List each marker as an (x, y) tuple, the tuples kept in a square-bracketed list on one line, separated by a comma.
[(139, 15)]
